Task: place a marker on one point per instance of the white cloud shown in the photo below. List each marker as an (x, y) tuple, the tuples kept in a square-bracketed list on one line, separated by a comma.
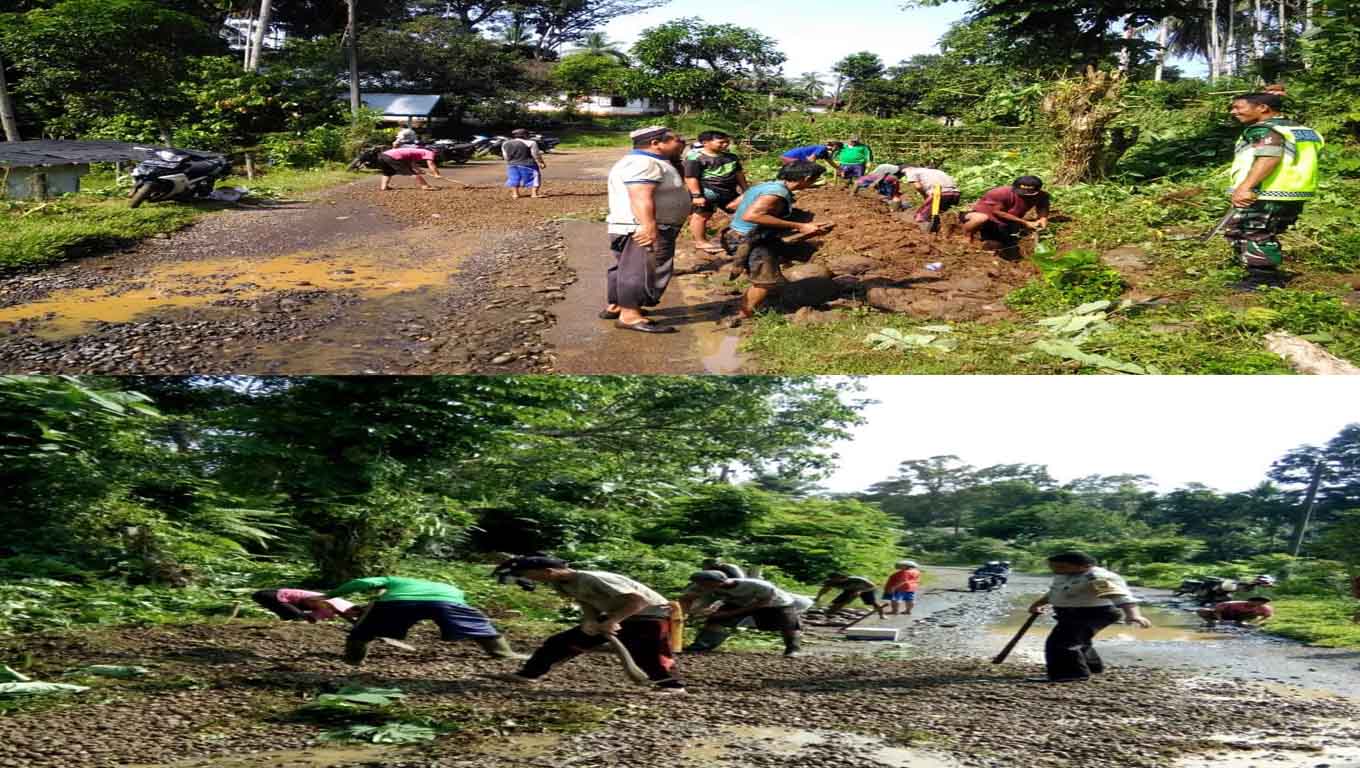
[(1221, 431)]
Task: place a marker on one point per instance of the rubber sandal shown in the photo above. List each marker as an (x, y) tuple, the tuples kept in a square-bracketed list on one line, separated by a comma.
[(646, 326), (607, 315)]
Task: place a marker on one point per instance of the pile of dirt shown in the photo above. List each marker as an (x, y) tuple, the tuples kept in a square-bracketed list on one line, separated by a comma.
[(469, 208), (885, 260), (231, 689)]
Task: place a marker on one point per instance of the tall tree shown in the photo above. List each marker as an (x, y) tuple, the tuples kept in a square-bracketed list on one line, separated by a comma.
[(8, 121)]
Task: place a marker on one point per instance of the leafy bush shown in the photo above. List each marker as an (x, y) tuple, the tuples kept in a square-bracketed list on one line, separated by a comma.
[(1305, 312), (305, 150)]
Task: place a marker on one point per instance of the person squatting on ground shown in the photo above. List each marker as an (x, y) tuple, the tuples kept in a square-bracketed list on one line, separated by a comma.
[(401, 161), (406, 136), (852, 588), (812, 153), (1000, 215), (735, 600), (302, 604), (926, 181), (1085, 600), (753, 237), (407, 602), (611, 604), (902, 585), (648, 202), (715, 179), (888, 184), (523, 163), (852, 159), (1253, 610), (1274, 172)]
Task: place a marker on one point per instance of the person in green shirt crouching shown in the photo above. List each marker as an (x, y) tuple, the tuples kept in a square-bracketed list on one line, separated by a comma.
[(1274, 173), (406, 602), (853, 159)]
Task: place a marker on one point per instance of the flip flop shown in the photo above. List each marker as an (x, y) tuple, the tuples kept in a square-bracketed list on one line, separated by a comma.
[(709, 248), (646, 326)]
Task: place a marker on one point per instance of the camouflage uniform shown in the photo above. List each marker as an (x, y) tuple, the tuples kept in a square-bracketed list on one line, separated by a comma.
[(1254, 232)]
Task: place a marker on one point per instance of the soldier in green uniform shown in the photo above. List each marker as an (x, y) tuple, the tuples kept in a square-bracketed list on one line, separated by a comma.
[(1274, 172)]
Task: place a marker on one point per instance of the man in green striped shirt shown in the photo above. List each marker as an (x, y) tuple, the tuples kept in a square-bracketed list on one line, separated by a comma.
[(404, 602)]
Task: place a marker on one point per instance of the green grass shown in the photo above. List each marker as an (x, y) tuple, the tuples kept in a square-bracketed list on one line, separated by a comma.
[(1197, 321), (1316, 620), (593, 138), (98, 218)]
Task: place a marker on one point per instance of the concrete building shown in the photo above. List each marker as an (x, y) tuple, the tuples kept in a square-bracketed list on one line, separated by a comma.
[(602, 105)]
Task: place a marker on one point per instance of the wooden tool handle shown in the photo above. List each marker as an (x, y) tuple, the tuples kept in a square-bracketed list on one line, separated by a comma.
[(1000, 657)]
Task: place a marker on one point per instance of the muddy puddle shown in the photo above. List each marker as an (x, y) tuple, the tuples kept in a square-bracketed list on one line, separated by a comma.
[(1169, 625), (366, 271), (1335, 747), (729, 745), (317, 757)]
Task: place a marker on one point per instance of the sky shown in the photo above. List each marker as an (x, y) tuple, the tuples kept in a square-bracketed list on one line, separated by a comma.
[(814, 35), (1220, 431)]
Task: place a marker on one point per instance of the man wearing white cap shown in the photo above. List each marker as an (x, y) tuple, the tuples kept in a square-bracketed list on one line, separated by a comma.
[(902, 585), (648, 203)]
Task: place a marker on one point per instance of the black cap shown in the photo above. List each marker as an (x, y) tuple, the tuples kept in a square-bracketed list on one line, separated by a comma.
[(1028, 185), (534, 561)]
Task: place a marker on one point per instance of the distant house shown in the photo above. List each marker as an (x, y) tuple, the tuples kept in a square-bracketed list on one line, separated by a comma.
[(602, 105), (33, 170), (417, 108)]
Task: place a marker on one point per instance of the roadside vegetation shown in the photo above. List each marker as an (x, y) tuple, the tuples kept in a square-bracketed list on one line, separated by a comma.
[(164, 500)]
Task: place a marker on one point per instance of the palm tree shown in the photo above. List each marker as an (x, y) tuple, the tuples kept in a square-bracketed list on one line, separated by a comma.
[(598, 44), (811, 84)]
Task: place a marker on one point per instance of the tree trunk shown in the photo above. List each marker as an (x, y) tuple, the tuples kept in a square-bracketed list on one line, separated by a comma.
[(1258, 43), (8, 121), (250, 36), (257, 39), (1308, 17), (1301, 523), (1215, 50), (1162, 35), (1284, 30), (1230, 49), (1125, 55), (1080, 111), (352, 45)]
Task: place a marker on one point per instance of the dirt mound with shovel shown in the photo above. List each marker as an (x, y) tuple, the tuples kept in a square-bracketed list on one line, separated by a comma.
[(887, 261)]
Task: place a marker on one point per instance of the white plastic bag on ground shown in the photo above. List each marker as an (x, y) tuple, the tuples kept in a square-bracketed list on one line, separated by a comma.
[(39, 689), (229, 194)]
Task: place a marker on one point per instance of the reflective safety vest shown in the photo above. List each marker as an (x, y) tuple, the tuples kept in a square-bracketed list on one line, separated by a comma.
[(1295, 178)]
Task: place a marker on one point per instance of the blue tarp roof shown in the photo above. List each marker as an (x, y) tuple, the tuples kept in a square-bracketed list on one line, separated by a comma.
[(401, 104)]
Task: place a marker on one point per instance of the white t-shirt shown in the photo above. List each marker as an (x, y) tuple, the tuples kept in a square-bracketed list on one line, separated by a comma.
[(1096, 588), (671, 197), (604, 593), (929, 178)]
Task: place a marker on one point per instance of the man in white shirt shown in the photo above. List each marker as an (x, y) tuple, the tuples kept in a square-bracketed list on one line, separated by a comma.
[(648, 203), (611, 604), (1085, 600), (772, 609)]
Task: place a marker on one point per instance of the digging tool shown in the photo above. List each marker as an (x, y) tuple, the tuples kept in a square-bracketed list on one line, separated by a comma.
[(935, 211), (1000, 657), (877, 609), (800, 237), (630, 667), (1221, 224)]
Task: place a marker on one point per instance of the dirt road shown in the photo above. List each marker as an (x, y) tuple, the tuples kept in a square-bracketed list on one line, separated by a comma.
[(351, 280), (228, 695)]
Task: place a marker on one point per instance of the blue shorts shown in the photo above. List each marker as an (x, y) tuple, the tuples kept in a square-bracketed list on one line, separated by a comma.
[(852, 170), (521, 176), (396, 617), (905, 597)]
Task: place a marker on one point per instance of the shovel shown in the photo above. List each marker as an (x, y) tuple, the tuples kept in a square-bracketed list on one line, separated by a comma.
[(387, 640), (935, 211), (1221, 224), (1000, 657), (798, 238)]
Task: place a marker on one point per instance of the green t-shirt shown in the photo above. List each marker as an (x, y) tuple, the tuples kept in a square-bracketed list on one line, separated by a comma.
[(860, 155), (401, 589)]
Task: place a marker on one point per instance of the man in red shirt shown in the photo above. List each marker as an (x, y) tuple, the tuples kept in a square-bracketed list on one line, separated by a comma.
[(1251, 611), (902, 585), (1000, 214)]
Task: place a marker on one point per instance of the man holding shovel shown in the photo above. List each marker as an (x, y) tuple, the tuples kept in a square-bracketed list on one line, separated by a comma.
[(735, 600), (852, 588), (1085, 600), (753, 237), (407, 602), (612, 606)]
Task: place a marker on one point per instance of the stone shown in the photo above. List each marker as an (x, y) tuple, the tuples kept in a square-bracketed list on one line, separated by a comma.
[(851, 264), (809, 270), (809, 292), (1127, 258)]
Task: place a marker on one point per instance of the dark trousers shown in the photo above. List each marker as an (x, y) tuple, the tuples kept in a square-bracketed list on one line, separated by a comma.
[(639, 275), (269, 600), (648, 641), (1069, 651)]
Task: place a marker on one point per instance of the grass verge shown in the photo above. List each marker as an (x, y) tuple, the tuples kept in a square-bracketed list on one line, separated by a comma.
[(1316, 620), (98, 218)]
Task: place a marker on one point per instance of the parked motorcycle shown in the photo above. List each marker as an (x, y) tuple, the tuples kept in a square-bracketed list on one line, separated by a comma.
[(1207, 591), (985, 581), (171, 174), (450, 151)]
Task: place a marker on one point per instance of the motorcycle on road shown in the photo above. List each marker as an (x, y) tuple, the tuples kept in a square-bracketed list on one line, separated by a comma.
[(171, 174)]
